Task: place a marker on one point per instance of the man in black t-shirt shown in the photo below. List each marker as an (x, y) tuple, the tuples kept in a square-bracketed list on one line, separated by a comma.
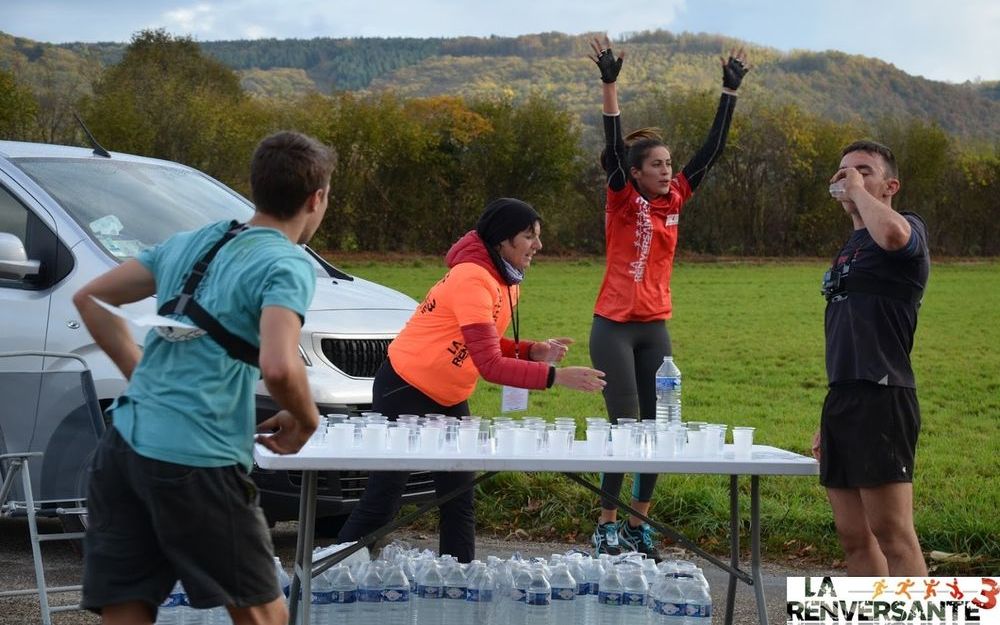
[(871, 418)]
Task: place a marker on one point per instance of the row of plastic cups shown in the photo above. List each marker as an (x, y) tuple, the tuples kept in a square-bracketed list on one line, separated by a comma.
[(532, 435), (433, 433), (663, 439)]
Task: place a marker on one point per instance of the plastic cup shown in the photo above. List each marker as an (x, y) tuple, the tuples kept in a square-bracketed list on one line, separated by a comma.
[(468, 440), (666, 443), (597, 439), (695, 444), (373, 438), (430, 439), (559, 442), (743, 442), (621, 441), (838, 190), (525, 442), (399, 439), (505, 440), (341, 438), (485, 443)]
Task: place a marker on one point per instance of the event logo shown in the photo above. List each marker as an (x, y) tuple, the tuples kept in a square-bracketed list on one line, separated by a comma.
[(909, 600)]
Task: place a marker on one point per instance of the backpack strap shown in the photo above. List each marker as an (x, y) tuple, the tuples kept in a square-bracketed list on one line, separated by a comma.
[(185, 304)]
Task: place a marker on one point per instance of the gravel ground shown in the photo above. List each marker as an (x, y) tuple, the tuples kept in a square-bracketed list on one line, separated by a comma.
[(63, 566)]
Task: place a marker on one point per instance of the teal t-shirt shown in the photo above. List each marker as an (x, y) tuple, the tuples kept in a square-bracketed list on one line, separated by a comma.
[(189, 402)]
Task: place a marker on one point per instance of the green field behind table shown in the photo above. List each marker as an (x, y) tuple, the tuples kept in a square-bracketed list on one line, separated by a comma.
[(748, 338)]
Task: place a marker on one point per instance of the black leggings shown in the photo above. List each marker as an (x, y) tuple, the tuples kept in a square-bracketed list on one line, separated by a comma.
[(393, 396), (629, 354)]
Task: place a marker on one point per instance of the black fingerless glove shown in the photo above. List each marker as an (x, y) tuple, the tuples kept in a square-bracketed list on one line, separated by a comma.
[(608, 65), (733, 72)]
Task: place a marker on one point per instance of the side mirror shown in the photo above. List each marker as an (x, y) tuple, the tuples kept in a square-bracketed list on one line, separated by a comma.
[(14, 263)]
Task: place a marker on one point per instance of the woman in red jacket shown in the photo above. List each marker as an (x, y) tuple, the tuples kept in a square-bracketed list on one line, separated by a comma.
[(629, 336), (454, 337)]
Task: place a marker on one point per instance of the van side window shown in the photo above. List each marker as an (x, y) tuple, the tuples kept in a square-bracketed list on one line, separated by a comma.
[(40, 242), (13, 216)]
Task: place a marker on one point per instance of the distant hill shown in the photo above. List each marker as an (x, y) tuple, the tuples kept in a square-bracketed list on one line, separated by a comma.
[(833, 84)]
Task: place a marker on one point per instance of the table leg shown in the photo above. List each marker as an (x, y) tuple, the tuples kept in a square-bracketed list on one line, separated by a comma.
[(734, 545), (302, 571), (758, 584)]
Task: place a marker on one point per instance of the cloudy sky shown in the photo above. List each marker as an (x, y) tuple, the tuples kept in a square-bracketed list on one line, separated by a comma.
[(954, 41)]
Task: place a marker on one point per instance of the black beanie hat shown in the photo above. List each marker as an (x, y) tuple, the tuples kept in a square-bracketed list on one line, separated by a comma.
[(503, 219)]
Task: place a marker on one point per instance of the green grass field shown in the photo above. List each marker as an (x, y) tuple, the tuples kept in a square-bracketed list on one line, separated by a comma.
[(748, 338)]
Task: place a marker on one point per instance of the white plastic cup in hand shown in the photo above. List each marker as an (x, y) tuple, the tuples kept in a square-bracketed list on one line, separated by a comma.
[(838, 190), (743, 442)]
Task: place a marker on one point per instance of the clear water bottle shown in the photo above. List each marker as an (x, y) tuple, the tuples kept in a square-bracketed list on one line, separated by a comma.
[(171, 611), (592, 579), (430, 592), (343, 595), (218, 615), (322, 595), (454, 608), (698, 603), (609, 598), (668, 391), (369, 594), (395, 596), (480, 593), (669, 606), (538, 599), (284, 581), (516, 609), (634, 591), (564, 592), (504, 586)]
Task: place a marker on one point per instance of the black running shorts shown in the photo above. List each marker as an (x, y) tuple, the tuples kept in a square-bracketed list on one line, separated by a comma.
[(868, 435), (154, 522)]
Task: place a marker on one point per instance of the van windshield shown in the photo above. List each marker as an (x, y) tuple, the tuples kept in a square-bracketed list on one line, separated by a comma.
[(128, 206)]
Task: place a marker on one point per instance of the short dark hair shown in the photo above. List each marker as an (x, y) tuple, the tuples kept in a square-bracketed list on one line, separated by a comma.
[(288, 167), (874, 147)]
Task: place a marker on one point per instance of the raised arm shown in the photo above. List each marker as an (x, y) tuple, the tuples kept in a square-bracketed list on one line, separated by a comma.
[(613, 157), (733, 70)]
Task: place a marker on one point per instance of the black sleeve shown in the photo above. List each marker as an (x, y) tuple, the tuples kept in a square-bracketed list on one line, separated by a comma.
[(613, 157), (706, 156)]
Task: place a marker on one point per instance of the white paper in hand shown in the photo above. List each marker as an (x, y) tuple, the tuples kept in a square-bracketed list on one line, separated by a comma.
[(170, 329)]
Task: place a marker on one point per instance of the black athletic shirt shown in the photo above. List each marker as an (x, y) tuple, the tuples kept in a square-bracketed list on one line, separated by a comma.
[(869, 336)]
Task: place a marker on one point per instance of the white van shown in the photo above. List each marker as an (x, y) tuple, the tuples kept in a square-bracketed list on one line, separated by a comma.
[(68, 214)]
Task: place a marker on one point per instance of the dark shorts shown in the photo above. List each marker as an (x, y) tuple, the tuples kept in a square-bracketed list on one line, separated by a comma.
[(868, 435), (153, 522)]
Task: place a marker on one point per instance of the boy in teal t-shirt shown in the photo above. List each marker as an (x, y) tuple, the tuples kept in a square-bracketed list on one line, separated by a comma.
[(169, 496)]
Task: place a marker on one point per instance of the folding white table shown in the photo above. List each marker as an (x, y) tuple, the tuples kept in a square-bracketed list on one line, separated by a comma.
[(764, 461)]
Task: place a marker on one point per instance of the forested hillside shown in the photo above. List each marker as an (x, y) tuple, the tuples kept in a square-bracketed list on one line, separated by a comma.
[(429, 130), (831, 84)]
